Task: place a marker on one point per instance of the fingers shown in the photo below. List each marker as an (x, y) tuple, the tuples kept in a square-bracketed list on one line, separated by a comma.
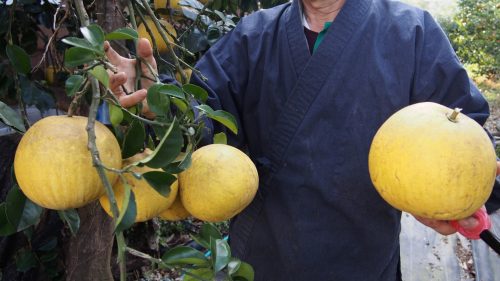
[(440, 226), (132, 99), (498, 168), (144, 49), (116, 81), (112, 55), (468, 223)]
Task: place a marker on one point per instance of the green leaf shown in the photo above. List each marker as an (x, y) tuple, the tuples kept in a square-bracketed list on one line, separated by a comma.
[(31, 215), (50, 256), (172, 91), (245, 272), (14, 204), (83, 44), (184, 255), (77, 56), (124, 33), (180, 104), (11, 118), (221, 116), (207, 232), (160, 181), (115, 114), (6, 228), (134, 139), (101, 74), (158, 102), (71, 218), (73, 84), (196, 91), (220, 138), (221, 253), (167, 150), (198, 274), (19, 59), (233, 266), (25, 260), (179, 166), (128, 210), (94, 34), (50, 245)]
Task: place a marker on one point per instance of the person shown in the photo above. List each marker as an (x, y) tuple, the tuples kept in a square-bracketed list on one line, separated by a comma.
[(309, 83)]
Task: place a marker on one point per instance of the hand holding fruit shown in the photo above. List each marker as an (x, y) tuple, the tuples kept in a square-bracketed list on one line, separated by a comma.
[(414, 165), (122, 81), (444, 227)]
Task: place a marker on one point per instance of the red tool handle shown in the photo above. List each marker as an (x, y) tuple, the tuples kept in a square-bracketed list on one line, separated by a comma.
[(484, 224)]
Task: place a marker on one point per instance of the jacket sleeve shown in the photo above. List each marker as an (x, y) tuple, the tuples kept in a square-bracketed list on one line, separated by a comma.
[(224, 67), (441, 78)]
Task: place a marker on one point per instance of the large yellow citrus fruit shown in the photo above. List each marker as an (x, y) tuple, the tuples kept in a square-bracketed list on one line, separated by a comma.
[(428, 162), (162, 4), (187, 71), (219, 184), (149, 203), (53, 165), (161, 45), (176, 212)]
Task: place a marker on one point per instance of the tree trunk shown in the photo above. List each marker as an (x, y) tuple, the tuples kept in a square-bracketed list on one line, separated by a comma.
[(88, 254)]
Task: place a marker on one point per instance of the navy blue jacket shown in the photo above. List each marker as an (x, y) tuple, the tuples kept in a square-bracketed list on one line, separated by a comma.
[(308, 121)]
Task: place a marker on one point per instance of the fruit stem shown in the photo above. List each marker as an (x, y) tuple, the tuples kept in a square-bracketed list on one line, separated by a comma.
[(453, 116)]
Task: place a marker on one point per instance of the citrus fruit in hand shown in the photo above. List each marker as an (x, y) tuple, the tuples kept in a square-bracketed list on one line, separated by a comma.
[(432, 161), (219, 184), (53, 165)]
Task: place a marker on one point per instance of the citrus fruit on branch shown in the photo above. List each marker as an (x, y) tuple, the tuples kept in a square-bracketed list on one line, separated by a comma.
[(432, 161), (175, 212), (219, 184), (160, 43), (149, 203), (54, 168)]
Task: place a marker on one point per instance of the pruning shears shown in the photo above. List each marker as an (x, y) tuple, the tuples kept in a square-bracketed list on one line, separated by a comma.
[(481, 231)]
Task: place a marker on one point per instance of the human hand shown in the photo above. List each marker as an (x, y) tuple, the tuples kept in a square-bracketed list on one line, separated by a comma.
[(445, 228), (122, 82)]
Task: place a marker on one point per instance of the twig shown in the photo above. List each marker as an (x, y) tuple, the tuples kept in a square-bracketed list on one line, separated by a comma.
[(165, 38), (77, 97), (54, 34), (96, 95)]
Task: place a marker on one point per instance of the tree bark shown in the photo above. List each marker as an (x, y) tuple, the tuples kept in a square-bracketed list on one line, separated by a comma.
[(88, 254)]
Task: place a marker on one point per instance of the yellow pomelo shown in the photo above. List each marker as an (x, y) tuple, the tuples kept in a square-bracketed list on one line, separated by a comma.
[(162, 4), (149, 203), (427, 162), (188, 73), (219, 184), (176, 212), (53, 165), (162, 45)]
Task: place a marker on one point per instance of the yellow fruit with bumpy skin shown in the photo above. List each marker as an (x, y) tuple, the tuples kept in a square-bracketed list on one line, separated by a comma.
[(160, 43), (176, 212), (433, 162), (219, 184), (53, 165), (187, 71), (149, 203)]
